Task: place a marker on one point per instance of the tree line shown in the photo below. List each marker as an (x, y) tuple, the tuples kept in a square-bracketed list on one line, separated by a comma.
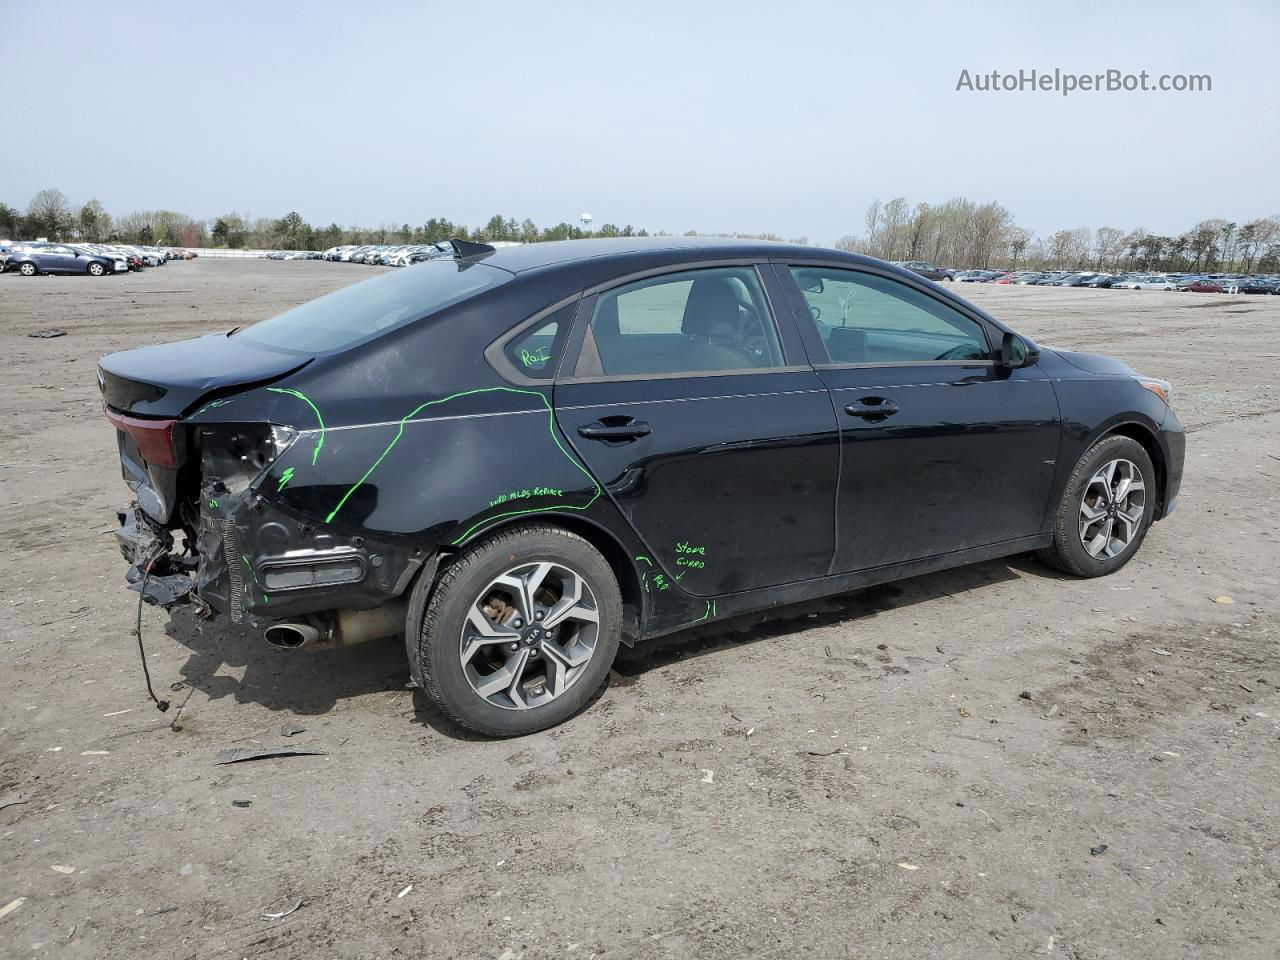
[(957, 233), (50, 214), (961, 233)]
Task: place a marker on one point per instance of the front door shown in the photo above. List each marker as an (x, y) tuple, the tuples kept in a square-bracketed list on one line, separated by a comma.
[(56, 259), (943, 449), (715, 439)]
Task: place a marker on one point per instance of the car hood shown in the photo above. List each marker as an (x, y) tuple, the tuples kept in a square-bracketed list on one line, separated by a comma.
[(1095, 363), (168, 379)]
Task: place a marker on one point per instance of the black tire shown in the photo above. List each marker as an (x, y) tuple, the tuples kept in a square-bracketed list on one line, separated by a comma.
[(28, 269), (96, 269), (1068, 552), (459, 586)]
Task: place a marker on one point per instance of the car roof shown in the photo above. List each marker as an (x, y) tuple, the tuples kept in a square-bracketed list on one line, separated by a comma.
[(610, 251)]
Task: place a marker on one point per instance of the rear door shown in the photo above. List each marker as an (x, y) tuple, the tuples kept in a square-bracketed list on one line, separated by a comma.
[(698, 414), (943, 450)]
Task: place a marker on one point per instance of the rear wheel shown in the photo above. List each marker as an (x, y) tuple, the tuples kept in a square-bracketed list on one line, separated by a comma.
[(27, 269), (520, 631), (97, 269), (1105, 510)]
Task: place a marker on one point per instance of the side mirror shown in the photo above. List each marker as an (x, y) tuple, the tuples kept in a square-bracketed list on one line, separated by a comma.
[(1016, 351)]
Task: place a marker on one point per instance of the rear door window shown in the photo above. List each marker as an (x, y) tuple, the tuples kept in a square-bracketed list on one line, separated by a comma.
[(696, 321)]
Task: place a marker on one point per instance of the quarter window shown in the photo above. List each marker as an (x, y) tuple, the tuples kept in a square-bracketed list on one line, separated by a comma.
[(864, 318), (698, 321), (536, 353)]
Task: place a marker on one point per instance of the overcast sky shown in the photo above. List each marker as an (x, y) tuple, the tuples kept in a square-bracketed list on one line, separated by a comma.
[(787, 117)]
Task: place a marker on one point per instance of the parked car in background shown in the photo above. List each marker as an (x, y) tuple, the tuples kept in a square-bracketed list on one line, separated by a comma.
[(1149, 282), (133, 258), (926, 269), (151, 257), (1259, 285), (432, 251), (61, 258), (1202, 285)]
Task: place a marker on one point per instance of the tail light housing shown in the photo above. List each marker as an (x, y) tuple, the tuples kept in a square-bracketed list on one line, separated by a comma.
[(153, 437)]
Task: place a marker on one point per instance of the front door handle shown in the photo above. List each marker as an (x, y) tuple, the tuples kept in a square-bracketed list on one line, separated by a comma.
[(615, 429), (872, 408)]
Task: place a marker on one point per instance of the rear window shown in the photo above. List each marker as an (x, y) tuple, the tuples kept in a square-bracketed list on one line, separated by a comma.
[(374, 306)]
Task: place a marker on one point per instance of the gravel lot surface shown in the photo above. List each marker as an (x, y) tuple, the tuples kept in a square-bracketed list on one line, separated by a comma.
[(919, 770)]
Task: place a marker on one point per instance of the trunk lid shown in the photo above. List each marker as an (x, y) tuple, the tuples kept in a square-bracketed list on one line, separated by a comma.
[(168, 379)]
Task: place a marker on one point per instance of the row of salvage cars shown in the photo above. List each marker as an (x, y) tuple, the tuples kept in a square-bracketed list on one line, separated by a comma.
[(34, 258), (1182, 282), (404, 255)]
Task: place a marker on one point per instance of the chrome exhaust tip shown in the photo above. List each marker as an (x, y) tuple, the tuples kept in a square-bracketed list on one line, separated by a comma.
[(291, 636), (338, 628)]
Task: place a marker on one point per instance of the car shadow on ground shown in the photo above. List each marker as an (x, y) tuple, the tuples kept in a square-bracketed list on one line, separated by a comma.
[(849, 607), (228, 660), (233, 661)]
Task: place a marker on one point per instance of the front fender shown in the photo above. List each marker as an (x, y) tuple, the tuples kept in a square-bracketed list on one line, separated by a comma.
[(1094, 407)]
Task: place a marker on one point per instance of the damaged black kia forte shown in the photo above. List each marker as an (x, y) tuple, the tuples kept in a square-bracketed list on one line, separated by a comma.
[(520, 458)]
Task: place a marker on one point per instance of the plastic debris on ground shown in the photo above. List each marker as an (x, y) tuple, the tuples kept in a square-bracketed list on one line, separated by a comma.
[(240, 754), (297, 904)]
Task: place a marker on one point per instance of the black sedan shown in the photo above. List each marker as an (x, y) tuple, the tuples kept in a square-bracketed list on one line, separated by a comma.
[(1259, 285), (63, 258), (521, 458)]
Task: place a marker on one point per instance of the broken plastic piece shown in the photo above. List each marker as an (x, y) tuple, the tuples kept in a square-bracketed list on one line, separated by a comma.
[(163, 592), (284, 913), (239, 754)]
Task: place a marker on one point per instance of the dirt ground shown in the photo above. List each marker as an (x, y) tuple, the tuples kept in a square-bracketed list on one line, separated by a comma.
[(860, 778)]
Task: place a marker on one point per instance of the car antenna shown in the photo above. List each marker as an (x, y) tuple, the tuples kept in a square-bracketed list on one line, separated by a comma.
[(469, 248)]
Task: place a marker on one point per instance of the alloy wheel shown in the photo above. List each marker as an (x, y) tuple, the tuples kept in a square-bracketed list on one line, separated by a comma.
[(1111, 509), (529, 635)]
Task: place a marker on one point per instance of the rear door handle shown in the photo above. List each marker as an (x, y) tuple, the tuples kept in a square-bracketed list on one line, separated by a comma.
[(615, 429), (872, 408)]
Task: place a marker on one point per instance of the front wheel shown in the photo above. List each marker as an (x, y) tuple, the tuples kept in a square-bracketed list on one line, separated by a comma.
[(520, 631), (1105, 510), (28, 269), (96, 269)]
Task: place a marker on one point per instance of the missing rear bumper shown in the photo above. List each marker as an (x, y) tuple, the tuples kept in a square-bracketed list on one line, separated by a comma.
[(161, 576)]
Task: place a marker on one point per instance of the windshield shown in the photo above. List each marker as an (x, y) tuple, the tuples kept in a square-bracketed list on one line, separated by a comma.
[(373, 306)]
